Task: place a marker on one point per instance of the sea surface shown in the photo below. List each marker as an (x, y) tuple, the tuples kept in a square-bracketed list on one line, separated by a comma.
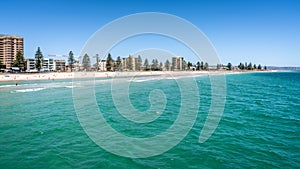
[(260, 126)]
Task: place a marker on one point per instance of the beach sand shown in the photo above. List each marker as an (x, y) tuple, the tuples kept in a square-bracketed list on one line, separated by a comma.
[(70, 75)]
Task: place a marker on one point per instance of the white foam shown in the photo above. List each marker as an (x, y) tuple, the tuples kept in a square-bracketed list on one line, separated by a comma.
[(145, 79), (141, 80), (4, 86), (29, 90)]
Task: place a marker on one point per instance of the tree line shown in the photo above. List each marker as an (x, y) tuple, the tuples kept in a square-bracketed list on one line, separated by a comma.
[(155, 65), (130, 63), (249, 66), (112, 64)]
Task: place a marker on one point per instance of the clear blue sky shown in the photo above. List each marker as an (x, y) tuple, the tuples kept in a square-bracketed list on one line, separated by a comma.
[(265, 32)]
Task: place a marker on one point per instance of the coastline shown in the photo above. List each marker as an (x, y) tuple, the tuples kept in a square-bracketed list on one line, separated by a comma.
[(16, 77)]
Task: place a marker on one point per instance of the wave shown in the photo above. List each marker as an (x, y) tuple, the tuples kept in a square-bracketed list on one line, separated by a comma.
[(5, 86), (138, 80), (142, 80), (145, 79), (29, 90)]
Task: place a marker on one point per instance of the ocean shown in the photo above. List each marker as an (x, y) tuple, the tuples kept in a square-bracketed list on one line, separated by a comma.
[(259, 128)]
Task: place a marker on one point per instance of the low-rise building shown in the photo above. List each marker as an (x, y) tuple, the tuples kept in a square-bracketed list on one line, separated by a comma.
[(77, 66), (48, 64), (30, 64), (102, 65), (59, 65)]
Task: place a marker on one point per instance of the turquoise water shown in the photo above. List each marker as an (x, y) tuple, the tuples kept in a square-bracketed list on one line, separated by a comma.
[(260, 126)]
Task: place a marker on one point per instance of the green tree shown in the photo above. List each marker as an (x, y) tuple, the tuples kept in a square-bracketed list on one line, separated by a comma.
[(184, 65), (189, 65), (206, 66), (241, 66), (130, 62), (198, 65), (154, 65), (161, 65), (118, 64), (86, 63), (229, 66), (202, 66), (265, 67), (97, 62), (254, 66), (109, 62), (19, 62), (139, 63), (259, 67), (38, 59), (250, 66), (167, 65), (71, 60), (146, 64)]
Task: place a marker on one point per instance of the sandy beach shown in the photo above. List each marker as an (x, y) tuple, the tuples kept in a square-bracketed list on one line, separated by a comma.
[(9, 77)]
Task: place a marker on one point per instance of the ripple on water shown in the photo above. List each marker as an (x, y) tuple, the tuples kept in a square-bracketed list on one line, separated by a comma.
[(259, 128)]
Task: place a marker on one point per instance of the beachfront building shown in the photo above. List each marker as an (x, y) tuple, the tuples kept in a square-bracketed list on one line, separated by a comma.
[(59, 65), (177, 63), (77, 66), (129, 63), (102, 65), (30, 64), (9, 46), (124, 64), (48, 64), (212, 67)]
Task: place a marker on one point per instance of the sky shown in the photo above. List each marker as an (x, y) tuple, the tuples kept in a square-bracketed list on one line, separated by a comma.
[(261, 32)]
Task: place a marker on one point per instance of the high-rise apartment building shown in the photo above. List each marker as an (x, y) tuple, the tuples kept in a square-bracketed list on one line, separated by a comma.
[(177, 63), (129, 63), (9, 46)]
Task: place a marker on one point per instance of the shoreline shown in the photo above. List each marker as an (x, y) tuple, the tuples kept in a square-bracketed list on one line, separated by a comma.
[(16, 77)]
